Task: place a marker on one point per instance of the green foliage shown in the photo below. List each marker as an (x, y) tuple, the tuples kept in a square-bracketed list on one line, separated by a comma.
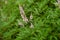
[(46, 20)]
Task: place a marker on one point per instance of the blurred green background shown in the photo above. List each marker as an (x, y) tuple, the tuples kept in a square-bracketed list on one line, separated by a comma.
[(46, 20)]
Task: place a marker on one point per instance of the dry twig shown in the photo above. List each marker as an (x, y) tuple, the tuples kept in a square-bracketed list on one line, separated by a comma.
[(58, 3), (31, 17), (31, 26), (23, 14)]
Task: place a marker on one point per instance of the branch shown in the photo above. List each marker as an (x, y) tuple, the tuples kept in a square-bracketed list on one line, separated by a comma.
[(23, 14)]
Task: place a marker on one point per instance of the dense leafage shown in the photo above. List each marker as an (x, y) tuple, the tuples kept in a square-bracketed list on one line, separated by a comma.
[(44, 15)]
